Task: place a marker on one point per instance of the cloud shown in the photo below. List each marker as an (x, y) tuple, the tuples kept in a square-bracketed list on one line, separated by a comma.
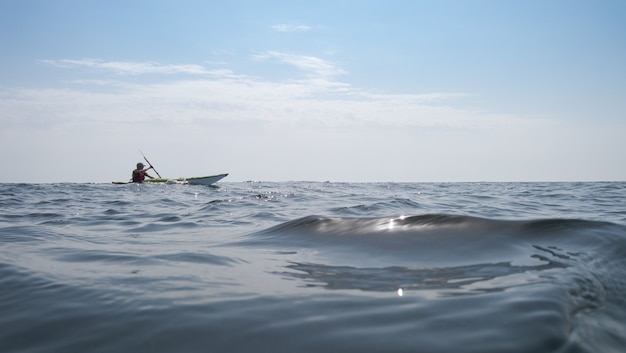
[(206, 102), (135, 68), (221, 95), (310, 64), (291, 28)]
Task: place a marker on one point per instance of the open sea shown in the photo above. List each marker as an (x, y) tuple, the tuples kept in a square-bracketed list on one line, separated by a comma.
[(313, 267)]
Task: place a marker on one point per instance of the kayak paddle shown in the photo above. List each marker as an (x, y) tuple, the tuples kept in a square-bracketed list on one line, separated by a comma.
[(150, 164)]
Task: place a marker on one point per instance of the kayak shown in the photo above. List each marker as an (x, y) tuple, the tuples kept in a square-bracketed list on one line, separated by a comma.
[(205, 180)]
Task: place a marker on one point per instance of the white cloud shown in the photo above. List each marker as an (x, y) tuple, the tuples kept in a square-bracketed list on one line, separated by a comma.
[(312, 65), (319, 100), (291, 28), (136, 68), (205, 101)]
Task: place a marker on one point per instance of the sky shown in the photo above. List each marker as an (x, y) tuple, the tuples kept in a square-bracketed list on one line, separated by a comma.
[(338, 90)]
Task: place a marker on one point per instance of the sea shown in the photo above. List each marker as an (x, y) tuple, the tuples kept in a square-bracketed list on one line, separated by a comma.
[(313, 267)]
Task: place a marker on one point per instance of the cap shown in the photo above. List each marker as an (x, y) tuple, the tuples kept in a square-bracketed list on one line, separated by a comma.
[(139, 165)]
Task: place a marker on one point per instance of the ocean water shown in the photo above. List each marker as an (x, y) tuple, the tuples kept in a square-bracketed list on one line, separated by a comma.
[(313, 267)]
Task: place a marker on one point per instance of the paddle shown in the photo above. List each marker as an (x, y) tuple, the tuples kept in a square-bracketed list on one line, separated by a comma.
[(150, 164)]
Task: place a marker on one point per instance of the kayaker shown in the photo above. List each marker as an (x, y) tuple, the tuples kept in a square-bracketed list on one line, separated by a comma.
[(139, 174)]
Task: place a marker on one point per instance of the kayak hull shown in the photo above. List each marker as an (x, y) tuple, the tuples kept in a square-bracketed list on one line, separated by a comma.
[(205, 180)]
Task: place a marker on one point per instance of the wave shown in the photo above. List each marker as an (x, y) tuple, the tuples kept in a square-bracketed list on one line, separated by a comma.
[(575, 268), (444, 238)]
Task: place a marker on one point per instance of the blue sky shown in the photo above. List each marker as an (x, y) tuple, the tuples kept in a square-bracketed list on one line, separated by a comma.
[(314, 90)]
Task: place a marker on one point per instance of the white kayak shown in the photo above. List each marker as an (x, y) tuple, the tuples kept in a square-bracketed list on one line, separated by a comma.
[(204, 180)]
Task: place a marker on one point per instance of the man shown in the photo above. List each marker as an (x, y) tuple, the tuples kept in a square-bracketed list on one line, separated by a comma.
[(140, 174)]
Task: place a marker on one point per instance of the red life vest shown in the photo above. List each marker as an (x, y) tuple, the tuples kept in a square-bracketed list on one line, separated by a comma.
[(139, 176)]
